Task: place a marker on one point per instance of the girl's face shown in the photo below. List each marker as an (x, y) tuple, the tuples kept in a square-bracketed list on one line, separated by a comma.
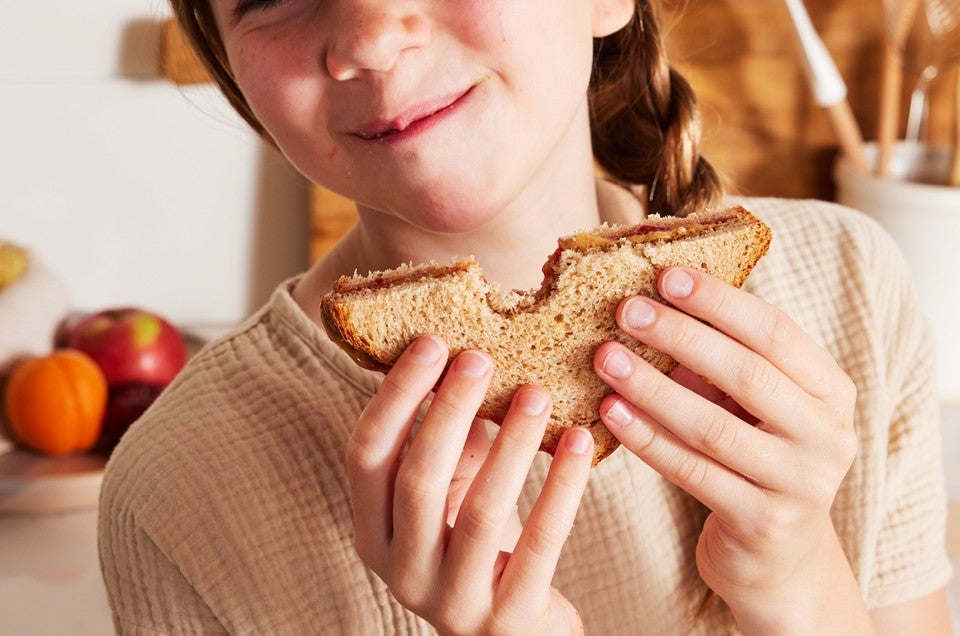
[(441, 112)]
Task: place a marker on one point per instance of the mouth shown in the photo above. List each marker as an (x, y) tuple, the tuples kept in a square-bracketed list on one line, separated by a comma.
[(414, 119)]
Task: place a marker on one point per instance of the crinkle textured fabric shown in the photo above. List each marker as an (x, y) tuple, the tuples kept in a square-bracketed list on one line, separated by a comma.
[(226, 509)]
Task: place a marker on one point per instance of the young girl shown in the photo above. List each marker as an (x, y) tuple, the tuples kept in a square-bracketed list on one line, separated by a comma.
[(277, 488)]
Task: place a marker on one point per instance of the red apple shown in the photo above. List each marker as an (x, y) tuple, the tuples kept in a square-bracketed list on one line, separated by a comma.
[(127, 402), (131, 345)]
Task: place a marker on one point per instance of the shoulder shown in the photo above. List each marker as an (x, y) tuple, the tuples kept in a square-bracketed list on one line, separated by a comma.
[(234, 483), (241, 410), (839, 275), (808, 224), (827, 249)]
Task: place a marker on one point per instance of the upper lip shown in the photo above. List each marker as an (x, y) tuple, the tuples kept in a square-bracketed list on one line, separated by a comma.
[(382, 126)]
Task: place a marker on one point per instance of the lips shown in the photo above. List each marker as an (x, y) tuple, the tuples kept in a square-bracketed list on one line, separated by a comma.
[(381, 128)]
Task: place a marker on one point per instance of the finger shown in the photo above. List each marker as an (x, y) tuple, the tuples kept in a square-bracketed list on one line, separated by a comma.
[(491, 501), (720, 488), (474, 454), (757, 384), (534, 560), (758, 325), (699, 423), (424, 477), (374, 449)]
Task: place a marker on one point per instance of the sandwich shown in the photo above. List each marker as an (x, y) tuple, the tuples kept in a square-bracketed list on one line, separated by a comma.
[(546, 336)]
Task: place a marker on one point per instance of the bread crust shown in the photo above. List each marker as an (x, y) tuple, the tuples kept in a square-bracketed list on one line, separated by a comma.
[(374, 317)]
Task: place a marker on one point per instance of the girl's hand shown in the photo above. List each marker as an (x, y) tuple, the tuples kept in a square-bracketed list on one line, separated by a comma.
[(432, 515), (764, 445)]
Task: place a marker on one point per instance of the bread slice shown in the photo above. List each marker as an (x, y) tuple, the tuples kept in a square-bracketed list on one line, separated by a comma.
[(546, 336)]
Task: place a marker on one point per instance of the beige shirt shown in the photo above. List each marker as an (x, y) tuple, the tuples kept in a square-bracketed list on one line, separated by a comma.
[(225, 508)]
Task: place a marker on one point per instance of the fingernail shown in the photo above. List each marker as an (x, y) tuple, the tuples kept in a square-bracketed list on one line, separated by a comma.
[(677, 283), (532, 401), (471, 363), (578, 441), (617, 364), (426, 350), (619, 414), (638, 313)]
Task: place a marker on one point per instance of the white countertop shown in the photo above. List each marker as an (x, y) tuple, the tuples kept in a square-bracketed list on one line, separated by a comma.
[(50, 575)]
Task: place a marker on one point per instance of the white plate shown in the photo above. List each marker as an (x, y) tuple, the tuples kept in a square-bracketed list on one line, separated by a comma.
[(31, 482)]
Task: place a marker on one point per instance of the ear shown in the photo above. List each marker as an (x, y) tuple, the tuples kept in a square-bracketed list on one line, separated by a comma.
[(609, 16)]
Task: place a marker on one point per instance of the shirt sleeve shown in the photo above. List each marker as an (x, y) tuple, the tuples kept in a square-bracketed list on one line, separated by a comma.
[(148, 593), (911, 559)]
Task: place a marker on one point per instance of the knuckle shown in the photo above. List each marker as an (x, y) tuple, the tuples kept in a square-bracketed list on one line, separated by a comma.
[(652, 390), (756, 375), (849, 446), (690, 470), (830, 382), (846, 447), (718, 438), (834, 385), (774, 523), (820, 493), (393, 389), (507, 616), (408, 595), (477, 523), (847, 389), (642, 439), (449, 619), (416, 486), (715, 301), (775, 328), (501, 621), (683, 334), (362, 454), (512, 436), (448, 407), (542, 539)]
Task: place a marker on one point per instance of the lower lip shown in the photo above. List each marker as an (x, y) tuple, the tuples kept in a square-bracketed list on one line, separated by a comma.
[(423, 125)]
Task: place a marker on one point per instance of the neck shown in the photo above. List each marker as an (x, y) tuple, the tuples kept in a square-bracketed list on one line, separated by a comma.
[(511, 245), (511, 248)]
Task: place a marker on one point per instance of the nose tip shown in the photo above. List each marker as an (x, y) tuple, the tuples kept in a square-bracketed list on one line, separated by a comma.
[(374, 41)]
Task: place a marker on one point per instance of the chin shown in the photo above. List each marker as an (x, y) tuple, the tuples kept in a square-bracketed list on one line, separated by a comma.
[(454, 220), (457, 210)]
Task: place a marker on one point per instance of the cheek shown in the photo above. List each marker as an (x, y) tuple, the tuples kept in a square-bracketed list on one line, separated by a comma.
[(535, 42), (279, 82)]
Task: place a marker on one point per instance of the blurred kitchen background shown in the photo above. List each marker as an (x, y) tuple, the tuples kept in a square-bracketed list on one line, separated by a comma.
[(132, 188), (127, 175)]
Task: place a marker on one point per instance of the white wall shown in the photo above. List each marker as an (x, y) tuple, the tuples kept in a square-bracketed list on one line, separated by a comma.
[(133, 190)]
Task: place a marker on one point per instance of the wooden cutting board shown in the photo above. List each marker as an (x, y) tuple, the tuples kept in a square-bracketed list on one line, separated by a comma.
[(32, 483)]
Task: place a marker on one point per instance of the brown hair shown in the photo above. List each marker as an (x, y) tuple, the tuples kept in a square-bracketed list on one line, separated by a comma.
[(196, 19), (645, 121)]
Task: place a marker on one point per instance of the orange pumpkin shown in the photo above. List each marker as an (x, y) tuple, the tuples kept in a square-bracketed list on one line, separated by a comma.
[(55, 403)]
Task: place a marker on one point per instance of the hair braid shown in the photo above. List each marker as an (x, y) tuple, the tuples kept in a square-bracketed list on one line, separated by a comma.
[(645, 120)]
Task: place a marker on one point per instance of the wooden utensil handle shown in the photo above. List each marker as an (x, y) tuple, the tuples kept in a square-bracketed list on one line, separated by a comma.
[(848, 133), (888, 119)]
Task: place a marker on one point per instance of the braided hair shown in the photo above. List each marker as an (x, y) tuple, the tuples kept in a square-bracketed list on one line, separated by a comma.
[(645, 121)]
